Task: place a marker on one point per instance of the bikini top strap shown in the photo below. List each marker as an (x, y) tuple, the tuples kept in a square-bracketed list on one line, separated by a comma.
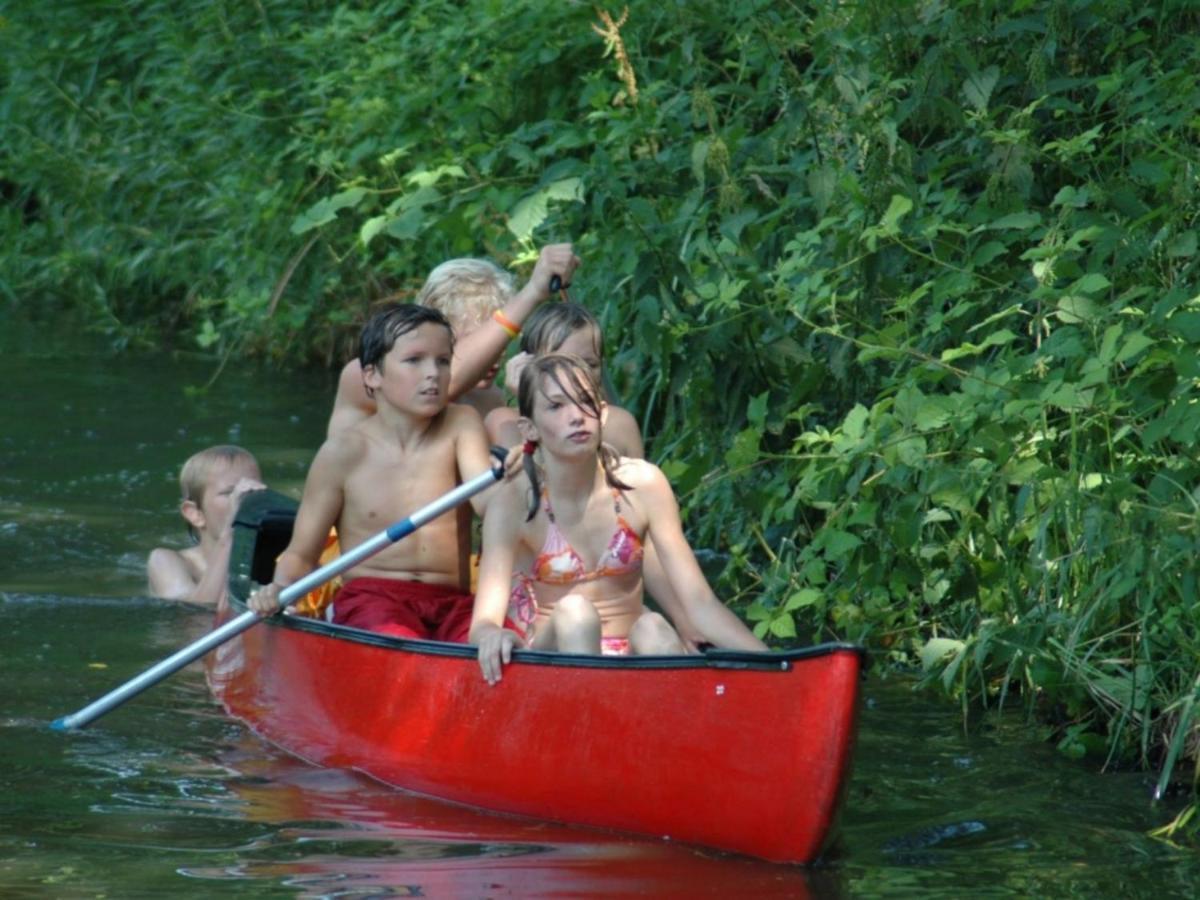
[(616, 495)]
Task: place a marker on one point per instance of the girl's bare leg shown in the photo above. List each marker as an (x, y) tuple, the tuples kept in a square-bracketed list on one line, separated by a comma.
[(576, 625), (652, 635)]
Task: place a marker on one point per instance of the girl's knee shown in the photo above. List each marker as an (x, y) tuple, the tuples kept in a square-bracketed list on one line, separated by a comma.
[(574, 608), (652, 635), (576, 625)]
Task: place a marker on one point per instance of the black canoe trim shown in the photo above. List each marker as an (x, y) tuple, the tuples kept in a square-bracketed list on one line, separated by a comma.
[(270, 514)]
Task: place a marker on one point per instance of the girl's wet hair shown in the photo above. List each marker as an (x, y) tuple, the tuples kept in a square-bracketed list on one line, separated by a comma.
[(382, 330), (572, 376), (549, 326)]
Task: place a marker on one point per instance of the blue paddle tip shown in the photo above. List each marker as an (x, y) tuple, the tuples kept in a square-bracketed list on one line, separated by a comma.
[(59, 724)]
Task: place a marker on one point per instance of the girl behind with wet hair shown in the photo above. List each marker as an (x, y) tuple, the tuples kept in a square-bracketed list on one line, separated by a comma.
[(565, 328)]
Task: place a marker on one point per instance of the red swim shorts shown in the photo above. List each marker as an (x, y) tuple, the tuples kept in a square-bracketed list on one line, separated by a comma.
[(412, 609)]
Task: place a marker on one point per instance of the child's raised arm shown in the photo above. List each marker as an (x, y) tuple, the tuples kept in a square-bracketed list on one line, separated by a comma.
[(478, 350), (714, 620)]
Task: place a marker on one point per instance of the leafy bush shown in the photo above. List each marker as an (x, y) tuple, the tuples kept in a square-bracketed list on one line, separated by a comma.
[(904, 293)]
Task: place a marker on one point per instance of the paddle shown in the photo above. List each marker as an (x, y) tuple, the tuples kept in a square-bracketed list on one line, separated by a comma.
[(557, 287), (290, 594)]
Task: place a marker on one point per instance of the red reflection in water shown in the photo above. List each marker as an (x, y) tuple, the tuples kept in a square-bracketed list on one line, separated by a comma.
[(346, 835)]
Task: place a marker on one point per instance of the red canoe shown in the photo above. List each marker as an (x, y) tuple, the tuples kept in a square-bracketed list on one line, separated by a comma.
[(747, 752)]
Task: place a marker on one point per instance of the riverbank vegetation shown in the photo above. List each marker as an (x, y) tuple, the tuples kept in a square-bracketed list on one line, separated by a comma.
[(903, 293)]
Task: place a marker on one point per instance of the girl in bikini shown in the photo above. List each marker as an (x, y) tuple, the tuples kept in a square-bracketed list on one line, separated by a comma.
[(582, 520), (570, 328)]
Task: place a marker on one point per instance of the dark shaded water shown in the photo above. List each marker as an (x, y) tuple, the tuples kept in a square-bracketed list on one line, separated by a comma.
[(168, 796)]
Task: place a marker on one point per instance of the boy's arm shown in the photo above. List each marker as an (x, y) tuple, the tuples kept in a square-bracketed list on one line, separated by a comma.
[(500, 535), (320, 507), (168, 575), (351, 405), (713, 619), (478, 350)]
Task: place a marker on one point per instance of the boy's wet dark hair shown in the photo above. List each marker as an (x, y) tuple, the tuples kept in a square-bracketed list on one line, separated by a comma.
[(384, 327)]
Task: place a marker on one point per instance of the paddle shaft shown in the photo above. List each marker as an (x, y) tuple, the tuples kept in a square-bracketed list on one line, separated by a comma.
[(288, 595)]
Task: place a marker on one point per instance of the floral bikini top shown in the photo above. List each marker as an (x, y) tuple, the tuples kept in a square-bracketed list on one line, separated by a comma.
[(559, 564)]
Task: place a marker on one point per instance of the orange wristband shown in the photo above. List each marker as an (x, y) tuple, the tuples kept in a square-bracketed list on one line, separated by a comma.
[(511, 328)]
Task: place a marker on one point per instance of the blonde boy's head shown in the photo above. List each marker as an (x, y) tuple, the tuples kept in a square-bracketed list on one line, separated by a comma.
[(466, 291), (196, 472)]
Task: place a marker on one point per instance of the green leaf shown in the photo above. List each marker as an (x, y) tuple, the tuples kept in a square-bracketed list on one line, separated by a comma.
[(744, 450), (756, 411), (424, 178), (1091, 283), (1021, 221), (802, 598), (1074, 310), (1186, 325), (1182, 246), (978, 87), (372, 227), (783, 627), (325, 211), (1134, 344), (532, 210), (855, 422), (937, 649), (897, 209), (836, 543)]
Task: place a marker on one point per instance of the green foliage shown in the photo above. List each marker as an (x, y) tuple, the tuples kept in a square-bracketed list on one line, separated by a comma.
[(904, 293)]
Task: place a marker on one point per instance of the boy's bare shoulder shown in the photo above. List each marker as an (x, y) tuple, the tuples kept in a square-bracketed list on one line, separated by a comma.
[(620, 417), (170, 574), (345, 446), (461, 416), (640, 473)]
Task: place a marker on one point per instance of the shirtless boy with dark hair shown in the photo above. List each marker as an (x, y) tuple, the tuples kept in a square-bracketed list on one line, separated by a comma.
[(414, 448)]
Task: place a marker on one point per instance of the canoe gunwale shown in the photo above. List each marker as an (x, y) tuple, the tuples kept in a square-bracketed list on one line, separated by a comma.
[(770, 661), (271, 507)]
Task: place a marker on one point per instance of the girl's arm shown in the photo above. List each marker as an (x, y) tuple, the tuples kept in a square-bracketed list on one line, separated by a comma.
[(501, 528), (710, 616)]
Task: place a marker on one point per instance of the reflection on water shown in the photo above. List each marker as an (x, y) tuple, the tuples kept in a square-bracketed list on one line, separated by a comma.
[(168, 797)]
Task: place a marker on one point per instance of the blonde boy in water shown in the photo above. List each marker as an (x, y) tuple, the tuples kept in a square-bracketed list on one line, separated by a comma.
[(413, 449), (477, 298), (212, 483)]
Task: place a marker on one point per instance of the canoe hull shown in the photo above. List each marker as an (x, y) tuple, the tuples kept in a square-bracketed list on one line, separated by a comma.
[(745, 752)]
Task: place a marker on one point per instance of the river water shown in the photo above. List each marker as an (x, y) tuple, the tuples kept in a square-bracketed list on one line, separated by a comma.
[(167, 796)]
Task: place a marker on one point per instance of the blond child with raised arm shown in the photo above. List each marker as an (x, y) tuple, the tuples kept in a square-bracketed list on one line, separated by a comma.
[(414, 448), (212, 484), (477, 298), (580, 523)]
